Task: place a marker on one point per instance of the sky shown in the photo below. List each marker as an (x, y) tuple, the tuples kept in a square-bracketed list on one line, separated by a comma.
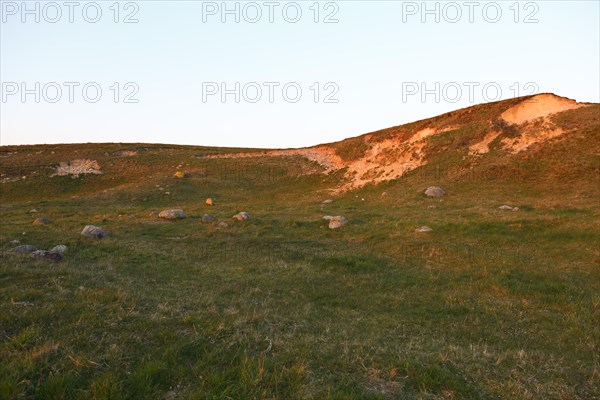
[(277, 74)]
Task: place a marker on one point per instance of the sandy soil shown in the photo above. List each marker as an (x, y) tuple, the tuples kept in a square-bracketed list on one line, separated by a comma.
[(383, 160), (483, 146), (77, 167), (538, 106), (393, 157)]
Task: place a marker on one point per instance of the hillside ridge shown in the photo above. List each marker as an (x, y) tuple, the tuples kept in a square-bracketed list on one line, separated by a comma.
[(388, 154), (503, 129)]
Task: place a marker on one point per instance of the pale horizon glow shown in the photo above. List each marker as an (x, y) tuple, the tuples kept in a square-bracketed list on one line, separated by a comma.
[(371, 55)]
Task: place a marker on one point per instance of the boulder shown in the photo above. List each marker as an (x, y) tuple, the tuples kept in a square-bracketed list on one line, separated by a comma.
[(505, 207), (94, 232), (47, 255), (41, 221), (24, 249), (172, 214), (434, 191), (335, 222), (207, 218), (209, 201), (61, 248), (241, 216), (223, 225), (424, 229), (328, 201)]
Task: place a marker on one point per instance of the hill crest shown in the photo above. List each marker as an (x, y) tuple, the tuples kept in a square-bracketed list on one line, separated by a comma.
[(511, 126)]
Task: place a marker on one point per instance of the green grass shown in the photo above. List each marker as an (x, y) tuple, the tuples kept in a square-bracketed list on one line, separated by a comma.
[(490, 305)]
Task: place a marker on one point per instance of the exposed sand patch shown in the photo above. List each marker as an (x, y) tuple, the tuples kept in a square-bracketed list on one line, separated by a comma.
[(394, 156), (483, 146), (390, 159), (382, 161), (323, 155), (530, 137), (422, 134), (427, 132), (533, 118), (538, 106), (125, 153), (77, 167)]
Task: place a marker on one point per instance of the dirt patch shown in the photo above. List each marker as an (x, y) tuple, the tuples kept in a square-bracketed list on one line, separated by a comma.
[(382, 160), (323, 155), (533, 120), (534, 117), (125, 153), (422, 134), (483, 146), (532, 136), (538, 106), (391, 156), (77, 167)]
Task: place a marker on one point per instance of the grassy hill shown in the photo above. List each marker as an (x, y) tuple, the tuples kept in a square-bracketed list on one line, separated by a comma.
[(491, 304)]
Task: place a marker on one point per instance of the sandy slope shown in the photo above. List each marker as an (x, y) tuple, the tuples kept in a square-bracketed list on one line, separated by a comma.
[(540, 107), (390, 158)]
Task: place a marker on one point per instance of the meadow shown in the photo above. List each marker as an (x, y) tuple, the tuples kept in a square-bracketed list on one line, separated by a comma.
[(491, 304)]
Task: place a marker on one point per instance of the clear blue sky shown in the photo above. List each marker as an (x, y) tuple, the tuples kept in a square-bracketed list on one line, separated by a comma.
[(370, 54)]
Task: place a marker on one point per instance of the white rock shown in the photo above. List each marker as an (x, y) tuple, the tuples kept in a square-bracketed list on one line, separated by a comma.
[(434, 191), (336, 222), (61, 248), (94, 232), (25, 248), (172, 214), (207, 218), (241, 216)]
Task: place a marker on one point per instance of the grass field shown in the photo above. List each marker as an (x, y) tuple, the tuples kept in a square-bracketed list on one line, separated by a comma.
[(491, 304)]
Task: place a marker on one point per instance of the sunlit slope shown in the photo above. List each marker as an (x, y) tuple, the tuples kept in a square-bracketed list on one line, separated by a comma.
[(489, 304)]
